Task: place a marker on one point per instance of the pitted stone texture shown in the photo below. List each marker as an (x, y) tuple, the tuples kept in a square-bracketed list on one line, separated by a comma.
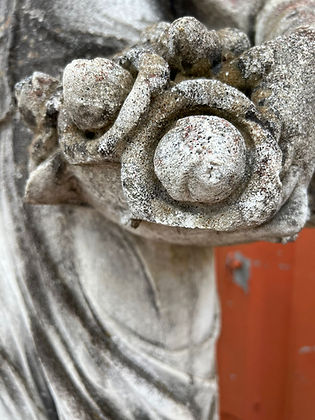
[(123, 327), (34, 96), (187, 42), (255, 201), (273, 117), (202, 159), (94, 91), (234, 42), (39, 99)]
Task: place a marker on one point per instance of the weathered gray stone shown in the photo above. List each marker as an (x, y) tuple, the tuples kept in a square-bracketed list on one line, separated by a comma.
[(93, 91), (105, 314), (202, 159)]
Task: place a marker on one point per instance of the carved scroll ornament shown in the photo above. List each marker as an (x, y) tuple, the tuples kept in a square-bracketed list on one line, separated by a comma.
[(191, 132)]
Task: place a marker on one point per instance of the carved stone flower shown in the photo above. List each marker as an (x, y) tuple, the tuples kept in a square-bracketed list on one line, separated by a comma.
[(187, 130)]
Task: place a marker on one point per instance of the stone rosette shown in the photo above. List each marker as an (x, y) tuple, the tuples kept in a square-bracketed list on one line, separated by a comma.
[(187, 129)]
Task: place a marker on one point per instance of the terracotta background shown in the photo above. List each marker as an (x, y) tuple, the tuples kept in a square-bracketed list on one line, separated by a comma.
[(266, 353)]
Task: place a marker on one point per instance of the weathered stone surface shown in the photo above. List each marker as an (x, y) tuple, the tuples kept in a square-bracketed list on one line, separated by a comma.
[(96, 322), (202, 159), (93, 91), (184, 69)]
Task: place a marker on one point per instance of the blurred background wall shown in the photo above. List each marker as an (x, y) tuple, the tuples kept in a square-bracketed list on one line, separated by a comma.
[(266, 353)]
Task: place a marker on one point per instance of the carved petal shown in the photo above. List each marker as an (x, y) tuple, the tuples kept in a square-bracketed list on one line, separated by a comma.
[(52, 183)]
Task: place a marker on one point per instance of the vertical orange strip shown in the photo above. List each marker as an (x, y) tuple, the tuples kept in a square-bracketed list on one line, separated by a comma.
[(300, 398), (253, 351)]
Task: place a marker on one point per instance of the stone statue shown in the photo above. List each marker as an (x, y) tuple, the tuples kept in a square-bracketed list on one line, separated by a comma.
[(144, 150)]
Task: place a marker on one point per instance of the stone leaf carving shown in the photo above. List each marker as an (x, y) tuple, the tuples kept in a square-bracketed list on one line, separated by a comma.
[(191, 133)]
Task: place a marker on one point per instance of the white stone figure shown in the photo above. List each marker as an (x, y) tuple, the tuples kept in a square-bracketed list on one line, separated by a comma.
[(147, 150)]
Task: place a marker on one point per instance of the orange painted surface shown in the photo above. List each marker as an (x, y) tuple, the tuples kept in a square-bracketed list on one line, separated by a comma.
[(266, 353)]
